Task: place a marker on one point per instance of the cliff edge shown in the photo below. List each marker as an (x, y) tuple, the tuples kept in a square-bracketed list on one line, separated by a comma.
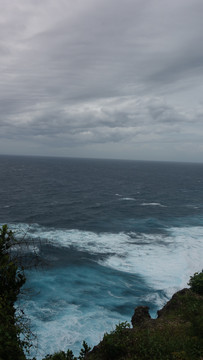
[(176, 334)]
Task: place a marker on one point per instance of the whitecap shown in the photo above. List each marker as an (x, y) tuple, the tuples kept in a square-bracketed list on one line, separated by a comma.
[(192, 206), (128, 199), (153, 204)]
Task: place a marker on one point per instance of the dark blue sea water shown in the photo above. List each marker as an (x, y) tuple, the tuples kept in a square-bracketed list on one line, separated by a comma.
[(113, 235)]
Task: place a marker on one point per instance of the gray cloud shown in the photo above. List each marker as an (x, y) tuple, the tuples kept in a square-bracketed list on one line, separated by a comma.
[(108, 120), (88, 73)]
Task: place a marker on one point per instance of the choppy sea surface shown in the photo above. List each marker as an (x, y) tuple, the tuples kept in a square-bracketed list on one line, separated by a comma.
[(110, 235)]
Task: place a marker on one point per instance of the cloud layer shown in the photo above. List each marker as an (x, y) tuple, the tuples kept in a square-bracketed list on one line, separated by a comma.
[(102, 78)]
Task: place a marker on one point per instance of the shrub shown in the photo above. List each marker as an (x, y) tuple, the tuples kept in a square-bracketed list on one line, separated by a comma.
[(61, 355), (84, 351), (115, 344), (196, 283), (11, 280)]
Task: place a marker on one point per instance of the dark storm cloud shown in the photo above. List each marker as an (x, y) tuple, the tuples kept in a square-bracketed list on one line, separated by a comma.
[(95, 72)]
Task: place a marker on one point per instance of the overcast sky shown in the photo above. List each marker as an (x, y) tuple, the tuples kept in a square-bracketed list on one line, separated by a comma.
[(102, 78)]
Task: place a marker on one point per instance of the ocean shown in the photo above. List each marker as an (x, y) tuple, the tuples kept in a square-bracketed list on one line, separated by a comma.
[(109, 235)]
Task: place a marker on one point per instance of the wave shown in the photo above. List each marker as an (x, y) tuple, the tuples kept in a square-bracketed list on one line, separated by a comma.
[(153, 204), (128, 269), (164, 260), (193, 206), (125, 198), (128, 199), (70, 328), (115, 296)]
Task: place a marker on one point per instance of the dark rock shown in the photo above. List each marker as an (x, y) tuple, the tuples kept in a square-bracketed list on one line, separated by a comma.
[(174, 303), (141, 314)]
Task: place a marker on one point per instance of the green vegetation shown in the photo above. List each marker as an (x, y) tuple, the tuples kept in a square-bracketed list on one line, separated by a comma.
[(61, 355), (196, 282), (84, 351), (11, 280), (175, 335)]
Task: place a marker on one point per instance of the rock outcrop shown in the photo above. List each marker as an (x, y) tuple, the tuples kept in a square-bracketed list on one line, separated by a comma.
[(141, 314)]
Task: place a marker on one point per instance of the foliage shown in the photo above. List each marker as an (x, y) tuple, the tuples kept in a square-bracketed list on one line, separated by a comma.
[(84, 351), (121, 326), (175, 335), (116, 343), (196, 282), (12, 279), (61, 355)]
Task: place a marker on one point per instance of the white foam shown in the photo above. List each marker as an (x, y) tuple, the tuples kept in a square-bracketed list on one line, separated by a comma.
[(165, 261), (128, 199), (27, 248), (155, 299), (153, 204), (71, 328), (193, 206)]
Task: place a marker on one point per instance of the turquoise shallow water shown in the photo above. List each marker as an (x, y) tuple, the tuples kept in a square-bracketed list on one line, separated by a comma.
[(110, 235)]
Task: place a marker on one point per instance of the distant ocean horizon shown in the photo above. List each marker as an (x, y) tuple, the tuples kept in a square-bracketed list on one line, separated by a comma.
[(114, 234), (20, 155)]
